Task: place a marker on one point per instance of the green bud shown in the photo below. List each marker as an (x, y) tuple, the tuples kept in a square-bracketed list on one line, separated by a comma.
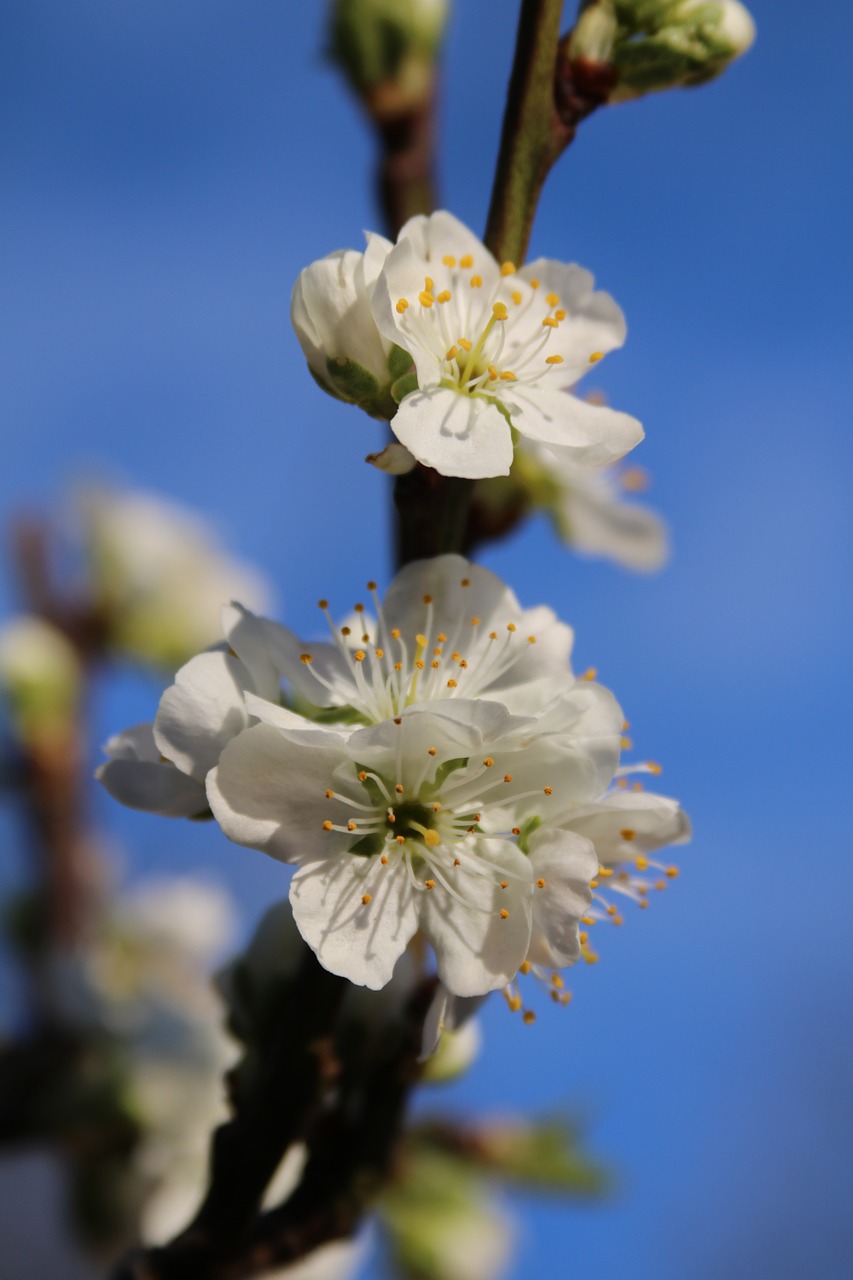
[(40, 679), (378, 43), (661, 44)]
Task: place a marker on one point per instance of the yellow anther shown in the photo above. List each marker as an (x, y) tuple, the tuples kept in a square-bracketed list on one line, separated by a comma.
[(516, 297), (507, 777), (431, 839), (430, 751), (398, 666), (593, 884), (476, 282), (560, 314), (400, 839), (553, 359), (528, 1017), (362, 777), (672, 873), (488, 762), (514, 1003), (330, 795), (654, 768), (499, 311), (589, 921), (493, 635), (552, 299), (596, 356), (444, 296), (591, 957), (441, 638), (635, 479), (401, 305), (626, 744), (510, 626), (305, 658), (504, 913), (352, 825), (611, 910), (550, 323), (557, 981), (508, 376), (475, 622), (590, 673), (384, 859), (525, 966), (617, 919), (366, 898), (452, 353), (322, 604), (534, 284), (465, 344), (466, 260), (605, 872), (504, 884), (507, 268), (531, 639), (435, 664), (359, 655), (637, 786), (359, 608), (421, 640), (642, 903), (429, 284), (420, 665), (465, 582), (429, 884), (493, 373), (641, 863), (548, 791), (627, 834), (436, 806), (449, 260), (660, 884), (540, 883), (516, 831), (328, 825), (425, 299), (583, 938), (451, 684), (426, 599)]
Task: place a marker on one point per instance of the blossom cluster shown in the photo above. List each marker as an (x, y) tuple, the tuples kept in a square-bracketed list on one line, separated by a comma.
[(434, 768), (464, 354)]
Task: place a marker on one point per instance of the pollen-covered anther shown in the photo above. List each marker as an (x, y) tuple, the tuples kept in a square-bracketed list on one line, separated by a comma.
[(452, 684), (475, 622), (560, 314), (400, 839), (425, 299), (352, 825), (504, 914), (436, 806), (305, 658), (493, 373), (464, 344), (507, 268), (549, 791), (553, 359), (401, 305), (488, 762), (362, 777), (399, 789), (641, 863), (653, 767), (550, 323), (384, 859), (504, 884), (330, 795), (604, 873), (627, 834), (508, 376), (590, 673), (499, 311), (507, 777), (672, 873), (449, 260), (540, 883), (510, 626), (528, 1017), (429, 884), (466, 261), (465, 582), (359, 655), (366, 899), (328, 825), (516, 831), (589, 921), (346, 631), (451, 353)]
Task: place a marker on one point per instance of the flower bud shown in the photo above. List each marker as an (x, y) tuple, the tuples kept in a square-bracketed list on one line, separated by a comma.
[(670, 43), (39, 678), (394, 460), (387, 48)]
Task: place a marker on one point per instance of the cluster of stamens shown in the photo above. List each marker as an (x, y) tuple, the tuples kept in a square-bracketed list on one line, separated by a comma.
[(472, 361), (387, 671)]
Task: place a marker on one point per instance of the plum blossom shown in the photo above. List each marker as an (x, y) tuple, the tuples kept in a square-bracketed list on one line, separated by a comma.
[(479, 347), (415, 823)]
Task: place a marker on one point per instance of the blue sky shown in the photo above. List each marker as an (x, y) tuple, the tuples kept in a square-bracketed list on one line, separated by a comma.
[(168, 170)]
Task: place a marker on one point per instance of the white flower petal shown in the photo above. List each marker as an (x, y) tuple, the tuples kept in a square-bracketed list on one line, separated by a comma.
[(250, 637), (268, 792), (594, 434), (459, 435), (359, 940), (566, 862), (625, 823), (202, 711), (136, 776), (476, 949), (596, 524), (594, 321)]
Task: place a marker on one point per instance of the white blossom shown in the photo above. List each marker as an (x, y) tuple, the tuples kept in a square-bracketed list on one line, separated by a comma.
[(493, 348), (415, 823)]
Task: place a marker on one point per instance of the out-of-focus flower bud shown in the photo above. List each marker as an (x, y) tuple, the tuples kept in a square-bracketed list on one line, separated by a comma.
[(387, 48), (40, 679), (160, 576), (394, 460), (661, 44)]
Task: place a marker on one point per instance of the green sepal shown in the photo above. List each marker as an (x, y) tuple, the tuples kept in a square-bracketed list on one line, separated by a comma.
[(399, 362), (404, 386), (351, 380)]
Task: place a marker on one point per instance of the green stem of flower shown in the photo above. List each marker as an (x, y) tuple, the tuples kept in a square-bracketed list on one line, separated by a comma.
[(528, 146)]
